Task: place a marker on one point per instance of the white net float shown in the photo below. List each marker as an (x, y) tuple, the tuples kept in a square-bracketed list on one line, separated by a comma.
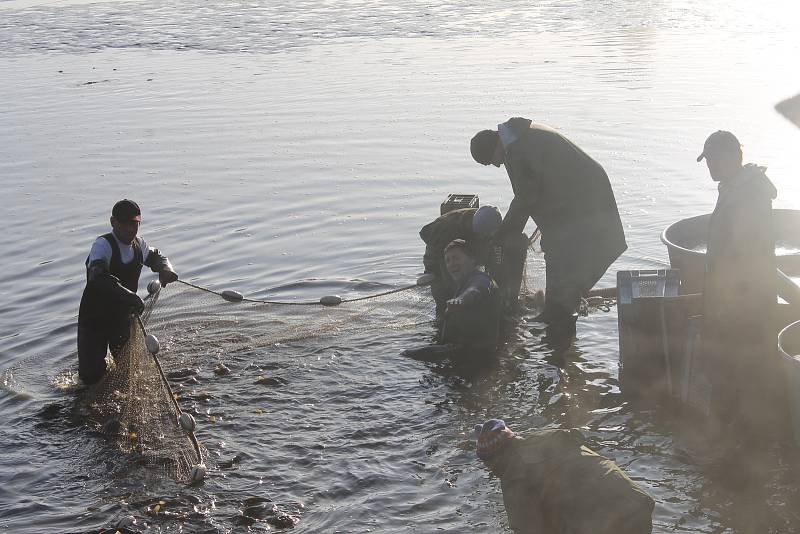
[(330, 300), (187, 422), (154, 287), (152, 344), (232, 296), (198, 473)]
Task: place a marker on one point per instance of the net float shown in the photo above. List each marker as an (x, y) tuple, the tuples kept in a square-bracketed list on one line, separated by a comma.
[(232, 296), (187, 422), (330, 300), (198, 473), (152, 344)]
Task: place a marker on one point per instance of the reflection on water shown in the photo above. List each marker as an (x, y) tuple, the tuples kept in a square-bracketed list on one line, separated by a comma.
[(294, 150)]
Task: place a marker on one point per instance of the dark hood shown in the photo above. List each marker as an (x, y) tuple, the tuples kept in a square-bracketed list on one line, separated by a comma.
[(751, 180)]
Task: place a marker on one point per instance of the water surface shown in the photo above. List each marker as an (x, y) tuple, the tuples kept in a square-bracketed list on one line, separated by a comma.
[(294, 150)]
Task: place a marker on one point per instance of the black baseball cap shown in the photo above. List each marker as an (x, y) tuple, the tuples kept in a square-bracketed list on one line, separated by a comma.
[(718, 142), (126, 210)]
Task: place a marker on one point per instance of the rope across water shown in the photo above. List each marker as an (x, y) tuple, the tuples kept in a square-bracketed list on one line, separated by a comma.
[(330, 300)]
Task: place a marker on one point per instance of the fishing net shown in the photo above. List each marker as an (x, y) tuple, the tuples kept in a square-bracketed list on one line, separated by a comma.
[(135, 404)]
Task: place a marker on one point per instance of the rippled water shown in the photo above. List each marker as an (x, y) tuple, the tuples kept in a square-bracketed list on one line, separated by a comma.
[(296, 149)]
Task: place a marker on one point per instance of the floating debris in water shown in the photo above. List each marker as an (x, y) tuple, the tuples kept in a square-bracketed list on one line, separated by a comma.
[(182, 373), (126, 522), (233, 462)]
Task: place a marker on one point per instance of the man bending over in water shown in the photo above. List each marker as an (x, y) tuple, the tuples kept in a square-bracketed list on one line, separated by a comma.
[(112, 278)]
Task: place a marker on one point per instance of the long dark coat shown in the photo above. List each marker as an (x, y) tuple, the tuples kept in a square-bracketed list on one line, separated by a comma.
[(569, 197)]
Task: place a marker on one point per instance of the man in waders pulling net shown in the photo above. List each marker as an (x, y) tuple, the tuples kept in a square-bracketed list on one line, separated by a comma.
[(112, 278), (569, 197)]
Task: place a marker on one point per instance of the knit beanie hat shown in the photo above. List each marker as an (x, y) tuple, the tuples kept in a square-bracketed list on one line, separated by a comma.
[(493, 436), (486, 220)]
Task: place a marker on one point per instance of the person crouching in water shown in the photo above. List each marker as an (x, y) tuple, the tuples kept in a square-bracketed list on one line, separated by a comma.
[(471, 320), (553, 483), (474, 225), (472, 316), (112, 279)]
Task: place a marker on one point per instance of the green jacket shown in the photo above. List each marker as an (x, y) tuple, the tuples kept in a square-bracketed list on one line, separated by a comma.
[(553, 484), (566, 193), (740, 288), (456, 224)]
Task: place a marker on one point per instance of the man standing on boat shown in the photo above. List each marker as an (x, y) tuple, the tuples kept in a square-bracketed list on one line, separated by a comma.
[(740, 293), (569, 197), (112, 278)]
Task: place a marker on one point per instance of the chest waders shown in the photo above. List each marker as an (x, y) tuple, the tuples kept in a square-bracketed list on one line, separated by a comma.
[(104, 323)]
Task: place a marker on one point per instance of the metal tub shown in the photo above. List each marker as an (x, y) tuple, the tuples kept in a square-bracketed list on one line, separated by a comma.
[(687, 240), (789, 346)]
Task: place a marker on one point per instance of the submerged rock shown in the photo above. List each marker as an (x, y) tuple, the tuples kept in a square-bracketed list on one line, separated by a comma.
[(222, 369), (261, 511), (252, 501), (271, 381), (227, 464), (283, 521), (111, 426), (182, 373)]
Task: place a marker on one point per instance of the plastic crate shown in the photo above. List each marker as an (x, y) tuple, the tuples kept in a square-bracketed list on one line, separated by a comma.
[(647, 363), (456, 201), (633, 285)]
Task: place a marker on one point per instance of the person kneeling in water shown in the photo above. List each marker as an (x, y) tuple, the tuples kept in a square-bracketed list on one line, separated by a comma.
[(472, 314), (112, 278)]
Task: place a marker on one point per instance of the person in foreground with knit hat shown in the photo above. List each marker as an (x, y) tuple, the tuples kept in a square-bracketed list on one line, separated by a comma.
[(554, 484), (112, 278)]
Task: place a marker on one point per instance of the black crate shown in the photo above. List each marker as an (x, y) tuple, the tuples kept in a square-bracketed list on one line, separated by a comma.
[(456, 201)]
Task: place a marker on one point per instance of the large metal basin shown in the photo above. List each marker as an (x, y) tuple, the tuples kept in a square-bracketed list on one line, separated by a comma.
[(789, 346), (687, 241)]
